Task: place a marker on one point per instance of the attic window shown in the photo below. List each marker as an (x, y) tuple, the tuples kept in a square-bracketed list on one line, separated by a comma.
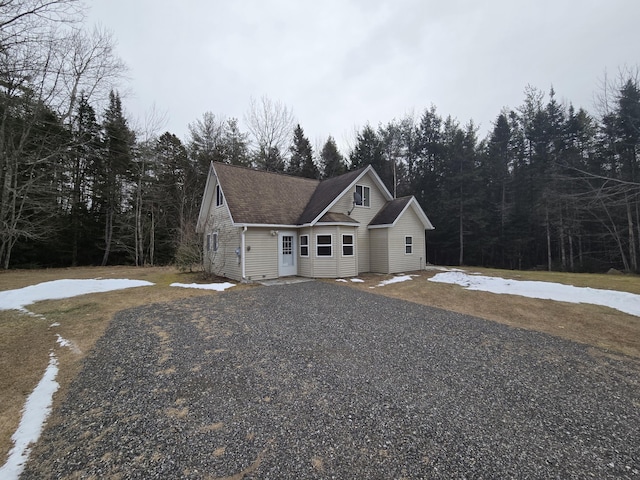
[(364, 192), (219, 196)]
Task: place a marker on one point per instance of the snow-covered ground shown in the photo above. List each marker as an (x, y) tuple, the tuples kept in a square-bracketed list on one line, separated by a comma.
[(219, 287), (38, 404), (623, 301), (57, 289)]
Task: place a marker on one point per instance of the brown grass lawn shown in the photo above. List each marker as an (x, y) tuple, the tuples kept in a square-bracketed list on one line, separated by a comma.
[(25, 341)]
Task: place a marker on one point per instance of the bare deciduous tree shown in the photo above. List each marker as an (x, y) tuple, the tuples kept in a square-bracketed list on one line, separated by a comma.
[(271, 124)]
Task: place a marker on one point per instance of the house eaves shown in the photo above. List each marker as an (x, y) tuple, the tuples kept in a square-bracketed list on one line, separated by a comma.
[(392, 212), (315, 210)]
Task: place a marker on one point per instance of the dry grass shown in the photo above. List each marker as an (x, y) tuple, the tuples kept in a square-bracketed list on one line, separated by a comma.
[(590, 324), (25, 341)]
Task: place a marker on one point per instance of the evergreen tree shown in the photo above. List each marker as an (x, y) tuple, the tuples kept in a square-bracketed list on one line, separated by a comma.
[(114, 175), (301, 160), (332, 161)]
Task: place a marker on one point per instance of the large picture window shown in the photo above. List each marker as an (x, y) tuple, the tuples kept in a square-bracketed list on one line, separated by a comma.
[(408, 245), (324, 245), (364, 193), (347, 245)]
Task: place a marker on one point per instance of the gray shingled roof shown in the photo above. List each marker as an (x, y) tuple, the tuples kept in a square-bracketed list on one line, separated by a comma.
[(258, 197), (389, 213), (325, 193)]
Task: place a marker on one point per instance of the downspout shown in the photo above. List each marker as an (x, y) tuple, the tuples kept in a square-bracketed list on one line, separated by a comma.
[(242, 253)]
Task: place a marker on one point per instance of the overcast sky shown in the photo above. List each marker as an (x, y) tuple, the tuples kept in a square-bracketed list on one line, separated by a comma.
[(339, 64)]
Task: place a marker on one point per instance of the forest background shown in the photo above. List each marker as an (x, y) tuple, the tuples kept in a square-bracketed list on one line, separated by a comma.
[(551, 186)]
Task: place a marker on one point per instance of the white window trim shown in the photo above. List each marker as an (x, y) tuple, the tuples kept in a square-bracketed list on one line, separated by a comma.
[(367, 197), (307, 246), (330, 245), (352, 244), (408, 244)]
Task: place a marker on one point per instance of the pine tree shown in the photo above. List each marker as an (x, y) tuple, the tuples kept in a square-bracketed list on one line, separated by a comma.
[(115, 170), (332, 161), (301, 161)]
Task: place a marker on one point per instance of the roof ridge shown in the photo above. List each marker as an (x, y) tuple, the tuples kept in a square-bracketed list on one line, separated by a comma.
[(256, 170)]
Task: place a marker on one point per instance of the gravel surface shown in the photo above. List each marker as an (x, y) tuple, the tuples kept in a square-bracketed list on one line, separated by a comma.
[(315, 380)]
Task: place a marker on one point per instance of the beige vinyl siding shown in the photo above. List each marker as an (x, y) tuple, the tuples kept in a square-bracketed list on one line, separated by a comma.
[(305, 264), (379, 239), (364, 215), (347, 266), (224, 262), (261, 250), (325, 267), (408, 225)]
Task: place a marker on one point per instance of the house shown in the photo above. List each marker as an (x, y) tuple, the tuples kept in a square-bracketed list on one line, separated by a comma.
[(261, 225)]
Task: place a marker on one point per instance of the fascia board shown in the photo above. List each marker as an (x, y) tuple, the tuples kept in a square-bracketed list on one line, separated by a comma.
[(377, 180)]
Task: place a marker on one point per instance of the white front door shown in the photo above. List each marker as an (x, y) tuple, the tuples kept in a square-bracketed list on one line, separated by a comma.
[(287, 254)]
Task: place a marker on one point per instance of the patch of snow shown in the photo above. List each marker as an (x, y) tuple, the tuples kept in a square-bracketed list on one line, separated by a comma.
[(623, 301), (34, 414), (341, 280), (397, 279), (54, 324), (357, 280), (63, 342), (220, 287), (57, 289), (442, 269)]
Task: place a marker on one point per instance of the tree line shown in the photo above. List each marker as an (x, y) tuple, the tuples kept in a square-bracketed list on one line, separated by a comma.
[(550, 186)]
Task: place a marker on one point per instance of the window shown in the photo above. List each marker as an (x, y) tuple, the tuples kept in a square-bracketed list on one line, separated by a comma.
[(408, 245), (215, 241), (304, 245), (347, 245), (364, 193), (208, 242), (219, 196), (324, 247)]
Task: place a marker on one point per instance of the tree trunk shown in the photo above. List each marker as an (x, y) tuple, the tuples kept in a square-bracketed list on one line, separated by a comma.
[(108, 235), (548, 228), (632, 241)]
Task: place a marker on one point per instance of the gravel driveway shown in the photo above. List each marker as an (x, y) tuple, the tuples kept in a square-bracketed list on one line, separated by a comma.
[(315, 380)]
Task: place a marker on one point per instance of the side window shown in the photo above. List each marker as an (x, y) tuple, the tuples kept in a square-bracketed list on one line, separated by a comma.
[(208, 242), (347, 245), (408, 245), (304, 245), (215, 241)]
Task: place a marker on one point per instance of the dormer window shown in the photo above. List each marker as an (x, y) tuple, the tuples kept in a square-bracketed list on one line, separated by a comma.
[(219, 196), (362, 196)]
